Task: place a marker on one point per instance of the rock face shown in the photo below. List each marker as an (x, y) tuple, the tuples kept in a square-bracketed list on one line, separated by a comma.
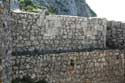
[(14, 4), (67, 7)]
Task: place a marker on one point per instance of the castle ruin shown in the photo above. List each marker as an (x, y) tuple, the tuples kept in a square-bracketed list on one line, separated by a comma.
[(61, 49)]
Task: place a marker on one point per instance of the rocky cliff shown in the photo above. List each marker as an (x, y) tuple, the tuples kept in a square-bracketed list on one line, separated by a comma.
[(14, 4), (62, 7), (67, 7)]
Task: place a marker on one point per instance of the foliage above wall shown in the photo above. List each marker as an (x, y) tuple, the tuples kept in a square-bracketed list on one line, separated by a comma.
[(28, 5), (58, 7), (68, 7)]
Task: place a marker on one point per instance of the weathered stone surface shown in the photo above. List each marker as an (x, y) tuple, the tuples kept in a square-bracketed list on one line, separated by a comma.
[(94, 67), (5, 43), (58, 32), (6, 49), (116, 34), (33, 31)]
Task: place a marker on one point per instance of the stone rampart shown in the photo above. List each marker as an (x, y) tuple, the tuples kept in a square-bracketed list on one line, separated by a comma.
[(106, 66), (58, 32), (55, 48), (115, 34)]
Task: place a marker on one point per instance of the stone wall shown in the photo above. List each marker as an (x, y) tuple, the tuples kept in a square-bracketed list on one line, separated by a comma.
[(107, 66), (5, 42), (58, 32), (62, 33), (0, 47), (50, 32), (5, 48), (115, 34)]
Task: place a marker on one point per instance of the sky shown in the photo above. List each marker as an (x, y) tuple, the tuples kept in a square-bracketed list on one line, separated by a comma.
[(110, 9)]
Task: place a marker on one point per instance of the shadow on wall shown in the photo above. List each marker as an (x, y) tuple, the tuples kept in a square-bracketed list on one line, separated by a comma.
[(28, 80)]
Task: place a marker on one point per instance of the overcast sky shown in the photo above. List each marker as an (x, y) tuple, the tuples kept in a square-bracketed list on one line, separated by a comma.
[(110, 9)]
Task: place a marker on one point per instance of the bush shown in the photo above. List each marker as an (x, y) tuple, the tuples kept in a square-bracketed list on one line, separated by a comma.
[(28, 5), (52, 11)]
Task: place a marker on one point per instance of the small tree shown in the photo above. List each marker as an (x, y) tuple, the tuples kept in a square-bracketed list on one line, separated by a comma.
[(28, 5)]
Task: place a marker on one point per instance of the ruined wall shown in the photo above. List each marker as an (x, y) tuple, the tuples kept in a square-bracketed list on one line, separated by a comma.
[(58, 32), (34, 31), (106, 66), (5, 48), (62, 34), (5, 42), (66, 32), (1, 47), (115, 34)]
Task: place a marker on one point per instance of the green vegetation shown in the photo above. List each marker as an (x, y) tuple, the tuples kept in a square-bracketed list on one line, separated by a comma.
[(28, 5), (52, 11)]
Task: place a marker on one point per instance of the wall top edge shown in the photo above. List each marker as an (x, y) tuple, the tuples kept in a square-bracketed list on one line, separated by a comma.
[(41, 13)]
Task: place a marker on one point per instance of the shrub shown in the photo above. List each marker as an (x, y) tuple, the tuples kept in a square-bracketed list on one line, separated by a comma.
[(52, 10), (28, 5)]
